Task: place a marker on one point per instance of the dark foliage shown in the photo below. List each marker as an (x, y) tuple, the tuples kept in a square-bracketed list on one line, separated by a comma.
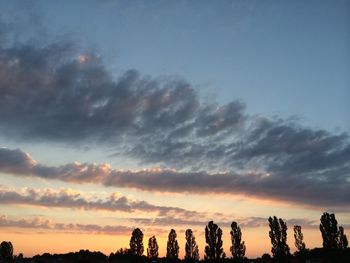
[(329, 230), (298, 236), (192, 253), (152, 250), (329, 255), (172, 250), (136, 242), (213, 238), (343, 240), (6, 250), (83, 256), (278, 236), (238, 247)]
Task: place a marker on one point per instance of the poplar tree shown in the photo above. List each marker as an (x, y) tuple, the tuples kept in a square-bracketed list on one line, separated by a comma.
[(213, 235), (278, 236), (238, 247), (172, 246), (343, 241), (152, 250), (298, 236), (192, 253), (136, 242), (329, 230)]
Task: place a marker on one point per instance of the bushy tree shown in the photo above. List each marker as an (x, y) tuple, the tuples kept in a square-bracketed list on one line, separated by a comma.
[(213, 235), (152, 250), (298, 236), (172, 250), (192, 253), (278, 236), (329, 230), (238, 247), (6, 250), (136, 242), (343, 241)]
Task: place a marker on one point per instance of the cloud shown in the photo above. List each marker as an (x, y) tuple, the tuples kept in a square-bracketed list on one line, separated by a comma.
[(46, 224), (55, 92), (297, 188), (68, 198), (244, 222)]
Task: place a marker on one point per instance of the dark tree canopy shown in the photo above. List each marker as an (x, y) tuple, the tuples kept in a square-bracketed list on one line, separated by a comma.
[(278, 236), (213, 235), (238, 247), (192, 253), (329, 230), (343, 240), (6, 250), (172, 250), (152, 250), (136, 243), (298, 236)]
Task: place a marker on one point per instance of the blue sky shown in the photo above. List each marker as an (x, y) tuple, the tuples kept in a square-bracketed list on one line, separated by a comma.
[(240, 106)]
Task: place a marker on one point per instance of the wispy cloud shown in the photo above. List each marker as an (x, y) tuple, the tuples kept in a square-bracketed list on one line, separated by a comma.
[(245, 222), (68, 198), (46, 224), (295, 188)]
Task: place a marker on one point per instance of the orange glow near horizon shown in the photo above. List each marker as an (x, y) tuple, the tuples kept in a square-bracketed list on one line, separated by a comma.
[(31, 242)]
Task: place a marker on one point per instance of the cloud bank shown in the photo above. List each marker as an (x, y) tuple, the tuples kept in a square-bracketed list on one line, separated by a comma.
[(54, 92), (67, 198), (311, 191)]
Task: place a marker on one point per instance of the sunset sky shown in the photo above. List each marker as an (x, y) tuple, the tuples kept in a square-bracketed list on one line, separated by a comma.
[(169, 114)]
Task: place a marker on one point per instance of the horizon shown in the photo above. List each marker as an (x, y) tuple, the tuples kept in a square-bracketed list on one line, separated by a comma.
[(159, 115)]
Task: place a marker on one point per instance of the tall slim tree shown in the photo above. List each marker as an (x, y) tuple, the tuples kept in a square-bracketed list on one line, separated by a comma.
[(136, 242), (238, 247), (152, 250), (329, 230), (298, 236), (192, 253), (172, 250), (213, 235), (278, 236), (343, 240)]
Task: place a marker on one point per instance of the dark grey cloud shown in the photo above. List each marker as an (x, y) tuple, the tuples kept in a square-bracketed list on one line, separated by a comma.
[(67, 198), (300, 189), (57, 92)]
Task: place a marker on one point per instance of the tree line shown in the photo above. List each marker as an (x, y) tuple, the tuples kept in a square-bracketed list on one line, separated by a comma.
[(333, 239), (332, 235)]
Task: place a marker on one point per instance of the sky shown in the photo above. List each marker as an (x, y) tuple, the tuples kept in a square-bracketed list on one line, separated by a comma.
[(169, 114)]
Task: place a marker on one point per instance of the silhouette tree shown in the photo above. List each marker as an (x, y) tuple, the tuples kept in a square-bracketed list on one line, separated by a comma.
[(192, 253), (152, 250), (329, 230), (213, 249), (238, 247), (298, 236), (6, 250), (172, 250), (278, 236), (136, 243), (343, 241)]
